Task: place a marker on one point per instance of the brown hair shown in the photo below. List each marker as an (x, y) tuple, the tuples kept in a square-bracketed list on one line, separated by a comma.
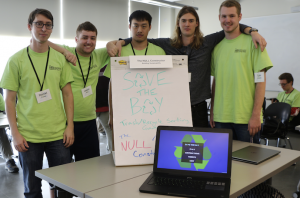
[(37, 11), (231, 3), (87, 26), (198, 37), (287, 76)]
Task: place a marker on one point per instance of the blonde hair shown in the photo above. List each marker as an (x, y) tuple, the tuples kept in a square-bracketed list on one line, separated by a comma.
[(176, 41), (231, 3)]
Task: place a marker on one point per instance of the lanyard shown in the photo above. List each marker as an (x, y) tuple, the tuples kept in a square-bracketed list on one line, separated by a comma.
[(84, 81), (45, 68), (287, 96), (134, 52)]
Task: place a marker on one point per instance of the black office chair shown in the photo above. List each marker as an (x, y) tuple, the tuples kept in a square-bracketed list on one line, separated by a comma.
[(276, 120)]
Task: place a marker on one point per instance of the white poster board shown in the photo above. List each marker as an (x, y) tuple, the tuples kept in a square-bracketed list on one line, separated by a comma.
[(142, 100), (282, 33)]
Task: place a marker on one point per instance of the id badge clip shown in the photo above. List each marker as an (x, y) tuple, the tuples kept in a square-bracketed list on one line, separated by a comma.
[(43, 96), (86, 91)]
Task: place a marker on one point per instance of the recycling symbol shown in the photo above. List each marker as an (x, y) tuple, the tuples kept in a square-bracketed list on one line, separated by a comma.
[(192, 152)]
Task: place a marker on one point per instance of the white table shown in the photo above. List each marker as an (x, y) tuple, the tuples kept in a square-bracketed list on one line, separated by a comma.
[(84, 176), (244, 176), (99, 178)]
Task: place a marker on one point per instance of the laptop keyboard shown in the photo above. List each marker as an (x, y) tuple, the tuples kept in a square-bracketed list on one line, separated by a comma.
[(186, 183)]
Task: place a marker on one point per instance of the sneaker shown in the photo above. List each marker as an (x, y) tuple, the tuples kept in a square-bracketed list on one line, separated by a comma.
[(11, 166), (103, 133)]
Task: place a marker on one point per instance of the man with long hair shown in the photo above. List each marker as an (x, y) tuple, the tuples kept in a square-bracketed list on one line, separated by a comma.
[(189, 40)]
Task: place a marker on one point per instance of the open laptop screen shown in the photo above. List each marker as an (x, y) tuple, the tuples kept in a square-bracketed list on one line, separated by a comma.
[(193, 151)]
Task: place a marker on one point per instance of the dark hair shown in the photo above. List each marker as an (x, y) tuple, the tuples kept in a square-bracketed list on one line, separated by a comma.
[(231, 3), (287, 76), (140, 15), (87, 26), (198, 37), (37, 11)]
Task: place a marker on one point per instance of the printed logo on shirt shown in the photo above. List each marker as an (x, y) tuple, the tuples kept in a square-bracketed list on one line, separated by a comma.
[(54, 68), (94, 66), (240, 50)]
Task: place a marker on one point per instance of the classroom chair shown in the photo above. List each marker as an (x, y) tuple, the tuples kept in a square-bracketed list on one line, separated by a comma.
[(276, 123)]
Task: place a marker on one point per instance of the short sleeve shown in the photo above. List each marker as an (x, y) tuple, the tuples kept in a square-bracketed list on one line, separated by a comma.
[(103, 55), (10, 78), (279, 97), (2, 104), (260, 60), (107, 71), (296, 102), (66, 75)]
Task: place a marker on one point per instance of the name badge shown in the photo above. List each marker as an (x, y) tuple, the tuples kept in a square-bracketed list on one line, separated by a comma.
[(151, 61), (43, 96), (259, 77), (86, 91)]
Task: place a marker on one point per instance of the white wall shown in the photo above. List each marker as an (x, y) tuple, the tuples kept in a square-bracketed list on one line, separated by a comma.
[(153, 11), (209, 10), (109, 16), (14, 15), (167, 22)]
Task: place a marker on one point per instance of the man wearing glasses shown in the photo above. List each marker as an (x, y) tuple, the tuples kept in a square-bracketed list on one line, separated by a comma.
[(289, 95), (37, 74)]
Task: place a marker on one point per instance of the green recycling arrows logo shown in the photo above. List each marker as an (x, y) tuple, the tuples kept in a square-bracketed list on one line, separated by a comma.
[(198, 164)]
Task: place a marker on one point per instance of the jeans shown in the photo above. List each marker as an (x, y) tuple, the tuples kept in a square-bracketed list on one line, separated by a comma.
[(86, 144), (32, 160), (103, 118), (239, 131), (199, 114)]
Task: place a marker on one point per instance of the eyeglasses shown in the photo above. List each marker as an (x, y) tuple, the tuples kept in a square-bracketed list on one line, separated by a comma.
[(282, 84), (48, 26)]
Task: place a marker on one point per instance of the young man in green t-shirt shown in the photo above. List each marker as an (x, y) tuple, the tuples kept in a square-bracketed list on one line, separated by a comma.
[(239, 78), (290, 95), (139, 25), (38, 75), (88, 64)]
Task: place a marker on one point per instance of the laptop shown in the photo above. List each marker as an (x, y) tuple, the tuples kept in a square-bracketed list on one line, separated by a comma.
[(253, 154), (191, 162)]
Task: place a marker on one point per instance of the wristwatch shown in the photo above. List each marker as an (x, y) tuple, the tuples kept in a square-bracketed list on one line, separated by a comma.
[(253, 30)]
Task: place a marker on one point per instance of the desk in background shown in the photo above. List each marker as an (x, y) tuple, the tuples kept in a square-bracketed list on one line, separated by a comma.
[(3, 121)]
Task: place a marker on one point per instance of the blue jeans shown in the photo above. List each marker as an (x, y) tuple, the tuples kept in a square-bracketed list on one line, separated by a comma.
[(86, 144), (239, 131), (32, 160)]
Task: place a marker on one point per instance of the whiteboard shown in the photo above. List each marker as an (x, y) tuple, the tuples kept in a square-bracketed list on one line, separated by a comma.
[(282, 33), (142, 100)]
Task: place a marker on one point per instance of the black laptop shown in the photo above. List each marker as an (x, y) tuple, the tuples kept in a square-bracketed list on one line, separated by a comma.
[(191, 162)]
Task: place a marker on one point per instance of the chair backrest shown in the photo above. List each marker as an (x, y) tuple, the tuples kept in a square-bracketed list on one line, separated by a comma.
[(279, 111)]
